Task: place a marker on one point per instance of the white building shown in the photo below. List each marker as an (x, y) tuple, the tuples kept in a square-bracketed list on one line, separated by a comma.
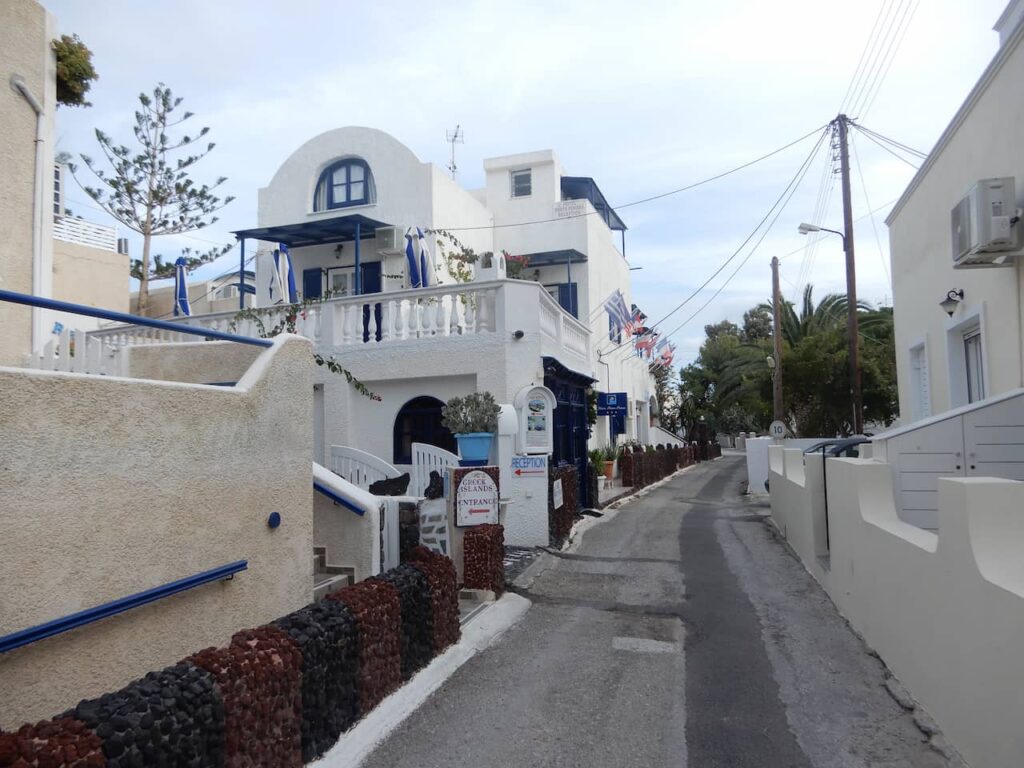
[(343, 202), (947, 361)]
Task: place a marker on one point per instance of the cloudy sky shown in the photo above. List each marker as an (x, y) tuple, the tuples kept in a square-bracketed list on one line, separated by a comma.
[(644, 96)]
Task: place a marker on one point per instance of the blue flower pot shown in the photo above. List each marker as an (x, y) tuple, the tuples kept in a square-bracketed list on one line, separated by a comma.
[(474, 448)]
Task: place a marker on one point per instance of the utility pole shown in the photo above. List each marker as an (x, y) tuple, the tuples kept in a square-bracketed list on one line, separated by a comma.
[(777, 410), (842, 125)]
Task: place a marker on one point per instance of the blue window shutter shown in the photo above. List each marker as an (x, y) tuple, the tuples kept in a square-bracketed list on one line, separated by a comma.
[(312, 283), (567, 298)]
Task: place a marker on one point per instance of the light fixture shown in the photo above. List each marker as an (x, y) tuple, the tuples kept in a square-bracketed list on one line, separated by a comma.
[(805, 229), (518, 335), (952, 300)]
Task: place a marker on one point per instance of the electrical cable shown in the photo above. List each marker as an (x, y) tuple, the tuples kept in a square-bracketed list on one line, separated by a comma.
[(777, 207), (879, 41), (874, 226), (860, 62), (889, 140), (659, 196), (888, 43), (912, 9), (890, 151)]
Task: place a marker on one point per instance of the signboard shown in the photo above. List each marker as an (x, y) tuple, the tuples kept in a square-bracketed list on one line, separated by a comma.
[(529, 466), (556, 494), (611, 403), (476, 496), (777, 429), (535, 409)]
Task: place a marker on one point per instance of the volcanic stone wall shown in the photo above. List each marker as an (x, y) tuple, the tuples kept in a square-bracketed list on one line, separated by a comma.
[(642, 466), (276, 696), (483, 553)]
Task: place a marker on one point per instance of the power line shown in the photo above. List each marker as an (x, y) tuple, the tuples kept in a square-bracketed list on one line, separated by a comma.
[(912, 9), (874, 226), (892, 141), (877, 43), (888, 41), (863, 54), (887, 149), (777, 207), (616, 208)]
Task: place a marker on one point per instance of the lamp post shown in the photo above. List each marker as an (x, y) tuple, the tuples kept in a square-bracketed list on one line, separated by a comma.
[(851, 324)]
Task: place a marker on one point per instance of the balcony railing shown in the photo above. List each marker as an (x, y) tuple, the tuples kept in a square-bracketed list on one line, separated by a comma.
[(85, 233), (465, 309)]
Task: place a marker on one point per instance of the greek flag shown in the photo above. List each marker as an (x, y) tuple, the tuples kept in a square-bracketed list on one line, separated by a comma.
[(616, 308)]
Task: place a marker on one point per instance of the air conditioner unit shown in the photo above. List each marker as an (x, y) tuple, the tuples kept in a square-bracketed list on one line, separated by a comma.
[(391, 240), (984, 224)]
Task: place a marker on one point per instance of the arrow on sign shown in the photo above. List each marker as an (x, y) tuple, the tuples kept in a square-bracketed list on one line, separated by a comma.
[(530, 472)]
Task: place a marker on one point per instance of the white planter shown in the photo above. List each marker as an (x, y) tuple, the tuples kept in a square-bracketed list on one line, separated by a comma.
[(600, 483)]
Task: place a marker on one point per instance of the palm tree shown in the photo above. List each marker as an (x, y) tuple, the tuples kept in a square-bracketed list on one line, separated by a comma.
[(830, 313)]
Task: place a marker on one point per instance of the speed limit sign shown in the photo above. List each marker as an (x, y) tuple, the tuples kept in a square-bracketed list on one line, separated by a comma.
[(777, 430)]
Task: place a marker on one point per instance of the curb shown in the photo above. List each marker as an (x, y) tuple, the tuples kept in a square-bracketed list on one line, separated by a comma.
[(358, 742)]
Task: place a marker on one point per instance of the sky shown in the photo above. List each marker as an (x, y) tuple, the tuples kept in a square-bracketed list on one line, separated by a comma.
[(646, 97)]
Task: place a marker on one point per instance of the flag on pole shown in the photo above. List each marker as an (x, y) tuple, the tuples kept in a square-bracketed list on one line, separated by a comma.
[(615, 306)]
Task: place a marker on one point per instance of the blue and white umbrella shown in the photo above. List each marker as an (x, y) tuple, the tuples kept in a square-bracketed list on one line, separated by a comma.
[(427, 275), (412, 257), (284, 277), (181, 305)]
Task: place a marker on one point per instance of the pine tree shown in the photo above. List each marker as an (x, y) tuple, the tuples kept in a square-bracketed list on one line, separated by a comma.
[(148, 188)]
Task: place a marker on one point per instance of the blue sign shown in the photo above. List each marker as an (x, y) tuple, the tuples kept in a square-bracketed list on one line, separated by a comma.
[(611, 403)]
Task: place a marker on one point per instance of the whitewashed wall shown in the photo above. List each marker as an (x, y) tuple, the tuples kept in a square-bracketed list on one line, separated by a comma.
[(944, 611), (982, 141)]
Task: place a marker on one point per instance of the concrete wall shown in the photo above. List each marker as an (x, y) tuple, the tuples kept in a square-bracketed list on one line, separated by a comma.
[(944, 611), (112, 486), (25, 33), (982, 141), (196, 362)]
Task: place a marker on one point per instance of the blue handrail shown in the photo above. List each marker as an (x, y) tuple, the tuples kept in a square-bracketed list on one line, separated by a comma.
[(89, 615), (123, 317), (321, 488)]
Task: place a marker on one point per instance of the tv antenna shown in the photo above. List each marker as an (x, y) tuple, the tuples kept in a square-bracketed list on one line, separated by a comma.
[(453, 138)]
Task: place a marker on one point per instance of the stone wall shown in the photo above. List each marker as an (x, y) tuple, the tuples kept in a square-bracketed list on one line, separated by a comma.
[(279, 695)]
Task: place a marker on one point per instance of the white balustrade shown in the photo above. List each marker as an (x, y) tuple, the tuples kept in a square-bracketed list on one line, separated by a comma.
[(360, 468), (427, 459)]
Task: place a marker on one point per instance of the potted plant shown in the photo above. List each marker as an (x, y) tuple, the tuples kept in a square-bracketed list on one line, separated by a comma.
[(473, 420), (611, 453), (597, 462)]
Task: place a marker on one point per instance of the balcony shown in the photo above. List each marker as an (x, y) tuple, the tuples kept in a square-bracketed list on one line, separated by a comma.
[(85, 233), (495, 309)]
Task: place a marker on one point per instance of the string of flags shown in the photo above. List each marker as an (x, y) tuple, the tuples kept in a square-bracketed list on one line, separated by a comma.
[(647, 343)]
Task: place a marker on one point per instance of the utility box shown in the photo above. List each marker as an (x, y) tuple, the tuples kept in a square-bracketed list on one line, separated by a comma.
[(984, 224)]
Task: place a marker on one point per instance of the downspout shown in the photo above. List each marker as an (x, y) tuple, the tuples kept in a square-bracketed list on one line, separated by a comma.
[(18, 83)]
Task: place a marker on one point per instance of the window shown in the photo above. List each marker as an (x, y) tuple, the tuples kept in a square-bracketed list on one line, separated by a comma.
[(58, 190), (522, 183), (343, 184), (227, 292), (975, 372), (341, 281)]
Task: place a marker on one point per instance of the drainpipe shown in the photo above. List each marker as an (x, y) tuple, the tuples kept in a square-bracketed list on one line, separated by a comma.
[(18, 84)]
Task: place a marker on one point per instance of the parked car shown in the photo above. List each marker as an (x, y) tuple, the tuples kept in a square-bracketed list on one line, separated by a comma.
[(840, 446)]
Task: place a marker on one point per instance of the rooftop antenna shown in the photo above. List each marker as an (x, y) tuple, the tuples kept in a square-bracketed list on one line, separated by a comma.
[(453, 138)]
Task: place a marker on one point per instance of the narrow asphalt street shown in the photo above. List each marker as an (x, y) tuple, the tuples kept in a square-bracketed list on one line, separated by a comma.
[(678, 633)]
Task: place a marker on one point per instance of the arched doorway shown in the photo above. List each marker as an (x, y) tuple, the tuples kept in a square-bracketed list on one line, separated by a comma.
[(419, 421)]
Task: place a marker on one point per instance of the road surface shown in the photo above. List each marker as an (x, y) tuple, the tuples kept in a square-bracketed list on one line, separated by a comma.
[(678, 633)]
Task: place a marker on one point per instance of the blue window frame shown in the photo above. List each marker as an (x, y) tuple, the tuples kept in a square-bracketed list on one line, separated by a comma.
[(343, 184)]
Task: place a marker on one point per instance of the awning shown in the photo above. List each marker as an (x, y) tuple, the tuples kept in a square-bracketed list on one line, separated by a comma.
[(555, 258), (585, 188), (340, 229), (554, 368)]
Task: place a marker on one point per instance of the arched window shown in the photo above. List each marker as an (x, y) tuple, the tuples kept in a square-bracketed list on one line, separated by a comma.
[(419, 421), (344, 183)]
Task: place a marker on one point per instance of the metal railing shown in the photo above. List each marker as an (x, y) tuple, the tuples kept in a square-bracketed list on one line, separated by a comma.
[(114, 607)]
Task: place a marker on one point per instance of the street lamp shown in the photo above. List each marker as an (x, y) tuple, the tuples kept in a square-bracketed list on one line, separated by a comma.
[(851, 318)]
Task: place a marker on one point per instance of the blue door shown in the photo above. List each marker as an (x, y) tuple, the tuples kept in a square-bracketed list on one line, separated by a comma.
[(312, 283), (370, 279)]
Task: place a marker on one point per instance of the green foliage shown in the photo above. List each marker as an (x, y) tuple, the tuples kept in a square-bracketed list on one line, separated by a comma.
[(287, 324), (476, 412), (757, 323), (193, 259), (610, 453), (596, 456), (591, 406), (666, 392), (149, 189), (75, 71), (729, 385)]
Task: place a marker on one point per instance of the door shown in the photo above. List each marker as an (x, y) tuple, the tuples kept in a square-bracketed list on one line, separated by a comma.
[(975, 371), (370, 278), (312, 283), (571, 432)]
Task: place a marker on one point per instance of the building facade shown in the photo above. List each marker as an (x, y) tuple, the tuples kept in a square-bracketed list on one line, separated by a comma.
[(946, 361)]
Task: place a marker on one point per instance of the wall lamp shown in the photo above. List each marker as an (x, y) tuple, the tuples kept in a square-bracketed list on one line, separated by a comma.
[(952, 300), (518, 335)]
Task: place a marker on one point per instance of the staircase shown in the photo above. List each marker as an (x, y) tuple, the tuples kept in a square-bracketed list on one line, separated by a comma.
[(328, 578)]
